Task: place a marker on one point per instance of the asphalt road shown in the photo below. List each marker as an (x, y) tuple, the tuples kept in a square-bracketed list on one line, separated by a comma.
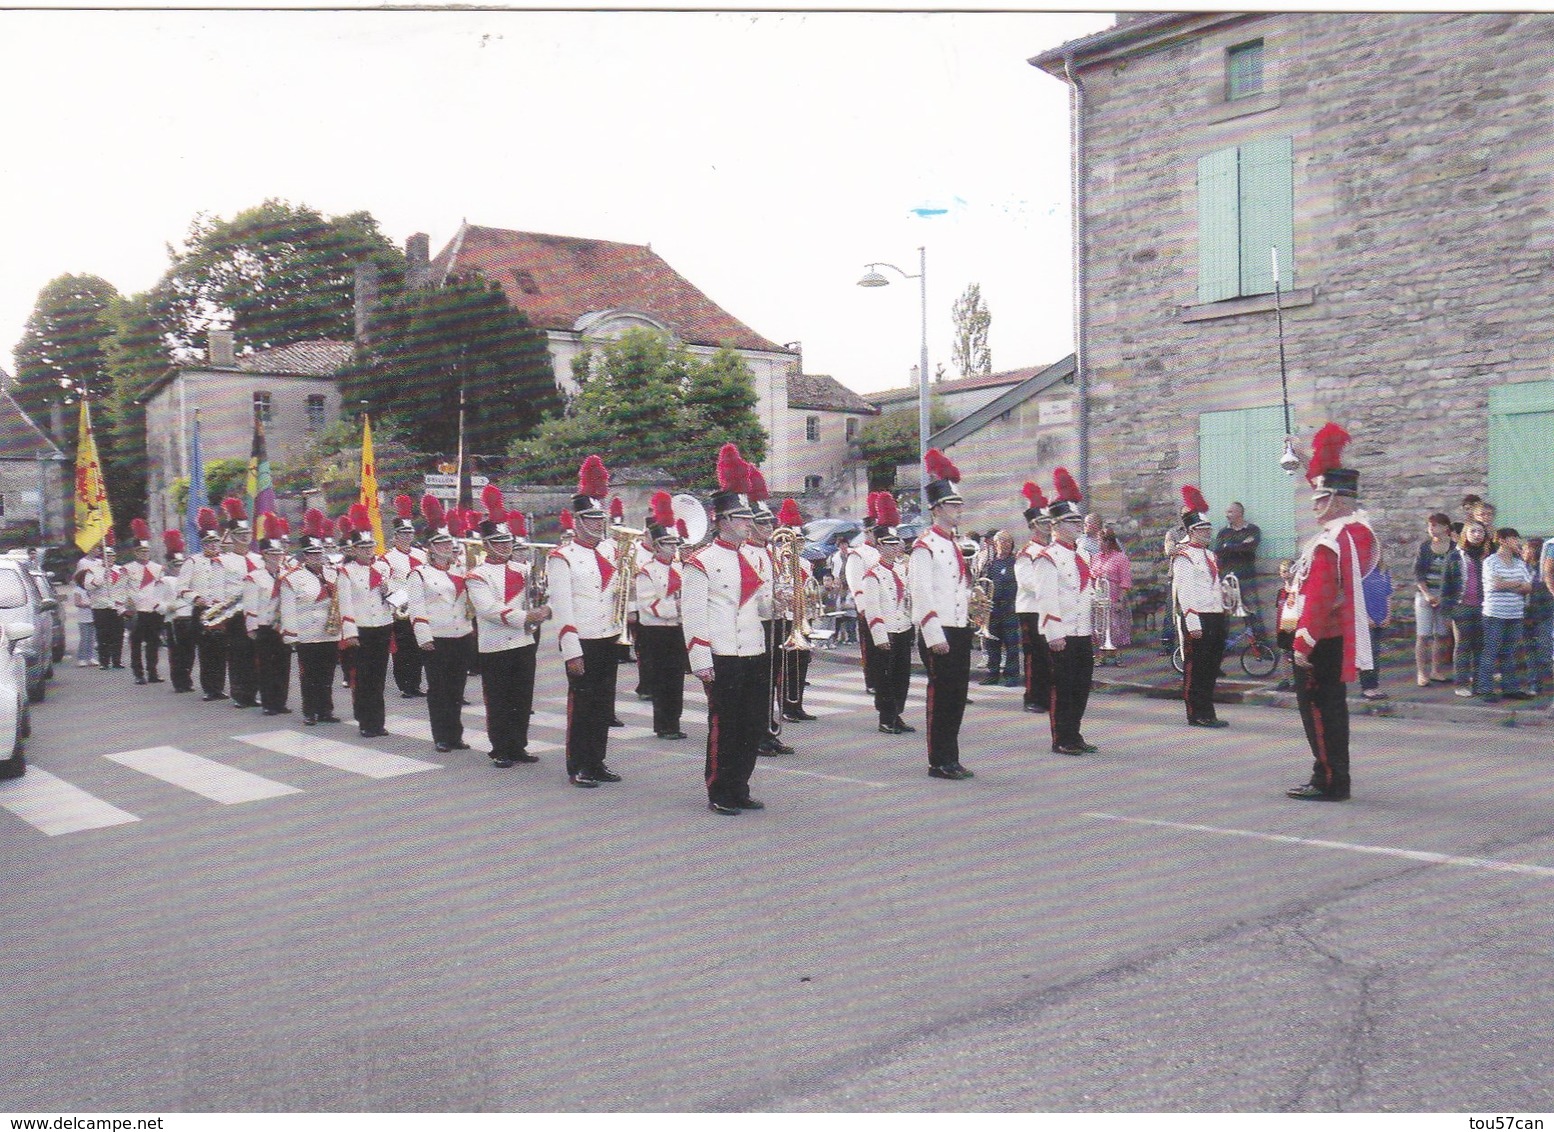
[(1151, 928)]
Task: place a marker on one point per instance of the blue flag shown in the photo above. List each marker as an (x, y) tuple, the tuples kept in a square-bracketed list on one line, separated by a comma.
[(197, 497)]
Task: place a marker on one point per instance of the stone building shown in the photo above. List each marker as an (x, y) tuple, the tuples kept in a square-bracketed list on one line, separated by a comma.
[(824, 417), (36, 500), (1400, 165), (291, 388)]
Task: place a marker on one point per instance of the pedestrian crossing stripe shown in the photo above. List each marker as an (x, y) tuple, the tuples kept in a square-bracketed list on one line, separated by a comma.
[(340, 756), (205, 777), (559, 722), (54, 806), (414, 727)]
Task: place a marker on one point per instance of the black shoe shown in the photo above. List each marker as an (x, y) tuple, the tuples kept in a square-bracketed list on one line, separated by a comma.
[(502, 762), (525, 757), (750, 804), (442, 748), (889, 729), (116, 666), (603, 774), (584, 781), (1087, 748), (410, 695), (616, 721), (799, 716), (1520, 696), (309, 720), (140, 679), (723, 808), (943, 772), (1067, 749), (373, 732), (154, 680), (321, 719), (641, 695), (774, 747), (1310, 792), (988, 681), (1036, 709), (904, 727), (961, 772), (1207, 723), (212, 697), (671, 734), (241, 704)]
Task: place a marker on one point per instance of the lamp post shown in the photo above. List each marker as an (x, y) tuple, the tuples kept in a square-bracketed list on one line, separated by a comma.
[(872, 278)]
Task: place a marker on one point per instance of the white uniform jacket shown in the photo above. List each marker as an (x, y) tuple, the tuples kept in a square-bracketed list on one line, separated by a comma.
[(305, 601), (139, 591), (238, 567), (500, 593), (580, 586), (658, 593), (364, 592), (100, 582), (1063, 592), (889, 600), (438, 607), (204, 579), (856, 562), (172, 602), (1025, 577), (1195, 584), (400, 564), (720, 603), (940, 585), (261, 600)]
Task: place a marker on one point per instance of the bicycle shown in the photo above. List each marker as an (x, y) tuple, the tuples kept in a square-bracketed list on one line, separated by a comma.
[(1258, 658)]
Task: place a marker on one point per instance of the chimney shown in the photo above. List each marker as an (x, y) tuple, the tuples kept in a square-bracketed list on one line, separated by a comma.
[(220, 349), (366, 299), (417, 259)]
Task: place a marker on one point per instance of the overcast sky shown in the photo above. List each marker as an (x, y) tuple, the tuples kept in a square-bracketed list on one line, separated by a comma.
[(767, 158)]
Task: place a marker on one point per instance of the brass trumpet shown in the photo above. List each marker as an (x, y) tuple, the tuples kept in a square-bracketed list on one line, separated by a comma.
[(214, 615)]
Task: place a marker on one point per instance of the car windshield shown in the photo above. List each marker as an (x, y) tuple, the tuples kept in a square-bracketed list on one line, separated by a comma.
[(13, 591)]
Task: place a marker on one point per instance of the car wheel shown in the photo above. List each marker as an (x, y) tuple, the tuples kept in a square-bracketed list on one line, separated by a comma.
[(16, 765)]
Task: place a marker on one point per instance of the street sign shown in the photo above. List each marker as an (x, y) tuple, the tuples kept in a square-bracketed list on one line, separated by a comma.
[(436, 479)]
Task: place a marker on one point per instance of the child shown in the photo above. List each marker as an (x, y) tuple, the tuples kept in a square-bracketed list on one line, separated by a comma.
[(1285, 638)]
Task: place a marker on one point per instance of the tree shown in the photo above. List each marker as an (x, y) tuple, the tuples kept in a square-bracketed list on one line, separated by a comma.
[(332, 464), (138, 355), (648, 403), (428, 344), (972, 355), (891, 439), (63, 351), (276, 274)]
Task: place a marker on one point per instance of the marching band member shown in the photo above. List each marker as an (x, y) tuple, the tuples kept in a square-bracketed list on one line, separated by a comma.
[(401, 558), (205, 585), (660, 637), (262, 617), (941, 596), (444, 627), (1033, 646), (238, 563), (580, 581), (1332, 641), (888, 599), (758, 548), (100, 577), (500, 589), (366, 623), (795, 666), (856, 562), (1199, 604), (178, 612), (721, 611), (142, 605), (309, 610), (1064, 599)]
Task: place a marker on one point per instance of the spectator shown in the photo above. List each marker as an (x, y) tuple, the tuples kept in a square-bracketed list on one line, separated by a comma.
[(1533, 662), (86, 628), (1377, 590), (1507, 582), (1003, 624), (1090, 538), (1432, 632), (1235, 547), (1284, 634), (1113, 566), (1461, 600)]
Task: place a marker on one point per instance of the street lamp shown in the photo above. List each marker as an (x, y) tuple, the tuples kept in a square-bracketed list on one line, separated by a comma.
[(873, 278)]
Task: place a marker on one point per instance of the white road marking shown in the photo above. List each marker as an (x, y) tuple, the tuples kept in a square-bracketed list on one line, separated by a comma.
[(559, 722), (202, 776), (340, 756), (54, 806), (1379, 850)]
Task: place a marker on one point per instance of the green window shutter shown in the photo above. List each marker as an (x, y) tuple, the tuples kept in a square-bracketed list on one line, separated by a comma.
[(1521, 441), (1219, 264), (1238, 460), (1267, 214)]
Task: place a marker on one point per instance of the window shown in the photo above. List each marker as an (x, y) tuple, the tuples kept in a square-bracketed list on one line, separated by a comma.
[(315, 412), (813, 485), (1244, 70), (1246, 207), (261, 407), (851, 429), (811, 428)]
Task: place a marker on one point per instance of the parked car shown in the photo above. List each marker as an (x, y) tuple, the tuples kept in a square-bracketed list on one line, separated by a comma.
[(15, 715), (48, 593), (22, 600)]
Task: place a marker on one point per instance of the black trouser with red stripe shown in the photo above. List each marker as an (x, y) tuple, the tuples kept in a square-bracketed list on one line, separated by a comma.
[(145, 642), (795, 668), (242, 675), (1073, 667), (591, 705), (447, 668), (738, 702), (870, 653), (407, 658), (895, 676), (180, 653), (272, 658), (948, 675), (212, 645), (1201, 659), (1321, 695), (109, 624), (507, 685), (369, 672), (1038, 662), (661, 660), (315, 678)]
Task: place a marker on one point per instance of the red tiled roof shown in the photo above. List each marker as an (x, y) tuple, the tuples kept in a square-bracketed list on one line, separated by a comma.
[(555, 280)]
